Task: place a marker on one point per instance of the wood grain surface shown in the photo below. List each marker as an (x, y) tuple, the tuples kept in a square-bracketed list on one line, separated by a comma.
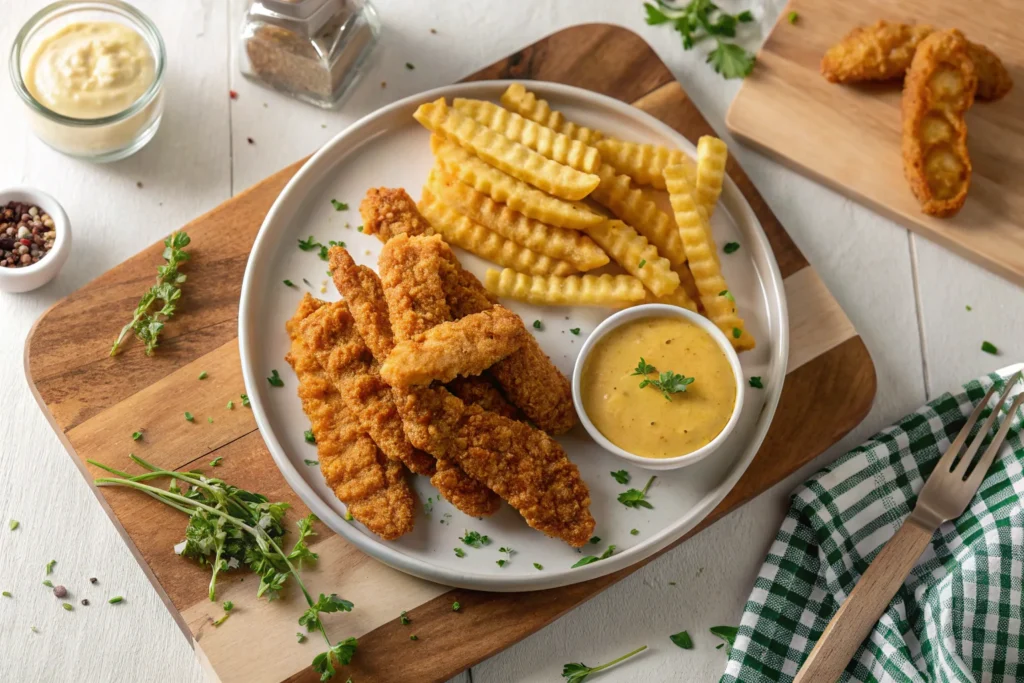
[(95, 402), (848, 136)]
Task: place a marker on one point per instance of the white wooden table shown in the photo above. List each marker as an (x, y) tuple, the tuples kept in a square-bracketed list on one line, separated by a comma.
[(906, 297)]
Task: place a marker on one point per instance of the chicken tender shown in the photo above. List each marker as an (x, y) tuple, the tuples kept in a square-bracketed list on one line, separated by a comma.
[(330, 335), (938, 91), (373, 488), (885, 50), (388, 212), (465, 347), (480, 391)]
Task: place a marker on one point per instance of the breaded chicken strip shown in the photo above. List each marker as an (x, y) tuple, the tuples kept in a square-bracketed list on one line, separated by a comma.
[(388, 212), (938, 91), (480, 391), (362, 289), (330, 335), (884, 51), (465, 347), (373, 488)]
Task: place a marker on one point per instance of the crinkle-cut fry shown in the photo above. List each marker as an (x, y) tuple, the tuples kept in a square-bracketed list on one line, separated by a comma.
[(541, 139), (520, 100), (557, 243), (475, 238), (937, 93), (687, 285), (634, 206), (644, 163), (501, 187), (515, 159), (719, 306), (633, 252), (712, 154), (576, 290), (685, 296)]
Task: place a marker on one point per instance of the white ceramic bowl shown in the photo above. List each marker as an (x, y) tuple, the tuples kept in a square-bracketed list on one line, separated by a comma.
[(658, 311), (31, 277)]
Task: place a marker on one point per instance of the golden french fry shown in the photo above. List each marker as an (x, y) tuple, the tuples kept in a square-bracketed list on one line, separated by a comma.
[(501, 187), (687, 285), (519, 161), (633, 206), (541, 139), (677, 298), (558, 243), (643, 163), (712, 154), (634, 253), (520, 100), (473, 237), (718, 303), (575, 290)]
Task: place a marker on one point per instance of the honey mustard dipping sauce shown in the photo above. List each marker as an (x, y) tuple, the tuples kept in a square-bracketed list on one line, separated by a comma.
[(671, 415)]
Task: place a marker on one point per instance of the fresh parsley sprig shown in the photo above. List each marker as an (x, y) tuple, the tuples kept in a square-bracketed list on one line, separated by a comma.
[(700, 19), (667, 382), (637, 499), (145, 323), (577, 673)]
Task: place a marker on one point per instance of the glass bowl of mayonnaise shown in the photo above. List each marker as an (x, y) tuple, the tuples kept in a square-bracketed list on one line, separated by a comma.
[(91, 77)]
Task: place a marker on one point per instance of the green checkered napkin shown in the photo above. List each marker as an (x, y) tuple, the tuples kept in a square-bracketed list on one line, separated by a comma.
[(958, 617)]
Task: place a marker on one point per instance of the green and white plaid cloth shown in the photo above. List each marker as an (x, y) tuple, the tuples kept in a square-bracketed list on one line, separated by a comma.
[(959, 617)]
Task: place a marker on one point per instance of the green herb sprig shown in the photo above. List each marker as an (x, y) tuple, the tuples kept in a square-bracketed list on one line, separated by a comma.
[(577, 673), (700, 19), (637, 499), (145, 323), (667, 383)]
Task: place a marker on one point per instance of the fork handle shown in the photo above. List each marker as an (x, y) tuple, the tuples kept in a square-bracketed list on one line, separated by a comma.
[(864, 606)]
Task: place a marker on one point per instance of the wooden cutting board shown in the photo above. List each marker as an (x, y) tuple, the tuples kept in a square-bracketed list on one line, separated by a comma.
[(848, 137), (95, 402)]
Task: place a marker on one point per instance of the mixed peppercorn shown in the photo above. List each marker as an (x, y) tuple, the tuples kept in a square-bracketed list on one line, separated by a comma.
[(27, 234)]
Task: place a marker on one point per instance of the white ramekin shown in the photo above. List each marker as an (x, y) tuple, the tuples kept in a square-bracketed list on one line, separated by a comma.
[(658, 311), (31, 277)]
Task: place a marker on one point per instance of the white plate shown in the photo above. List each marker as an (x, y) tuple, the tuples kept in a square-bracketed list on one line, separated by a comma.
[(388, 148)]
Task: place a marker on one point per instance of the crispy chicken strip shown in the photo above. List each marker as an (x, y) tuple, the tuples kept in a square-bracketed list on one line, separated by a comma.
[(465, 347), (480, 391), (362, 289), (388, 212), (373, 488), (331, 337), (885, 50)]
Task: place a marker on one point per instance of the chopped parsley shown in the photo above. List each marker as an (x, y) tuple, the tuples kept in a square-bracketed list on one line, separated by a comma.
[(414, 637), (7, 594), (459, 552), (731, 247), (49, 567), (538, 566), (594, 540), (324, 255), (574, 330), (189, 417), (508, 556), (621, 476), (726, 633), (756, 383), (579, 672), (792, 17), (136, 435), (700, 19), (728, 295), (404, 619), (360, 228), (737, 333), (299, 636), (48, 583), (210, 420), (216, 461), (410, 66), (245, 400), (230, 405), (288, 283), (667, 382), (275, 379), (538, 325), (309, 437), (474, 540), (309, 244), (989, 347), (968, 307), (634, 532), (456, 606), (339, 206), (116, 599), (682, 639), (637, 499), (67, 606), (590, 559), (311, 463), (643, 262), (13, 524), (203, 375)]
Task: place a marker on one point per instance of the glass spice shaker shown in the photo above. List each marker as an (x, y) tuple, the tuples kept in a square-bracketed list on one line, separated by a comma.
[(313, 50)]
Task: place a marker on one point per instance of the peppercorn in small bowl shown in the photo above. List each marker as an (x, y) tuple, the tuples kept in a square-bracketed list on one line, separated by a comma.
[(35, 238)]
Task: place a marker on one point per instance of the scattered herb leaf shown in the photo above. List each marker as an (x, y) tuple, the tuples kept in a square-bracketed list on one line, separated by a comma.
[(14, 524), (643, 262), (405, 619), (456, 606), (621, 476), (308, 435), (538, 566), (538, 325), (594, 540), (726, 633), (189, 416), (203, 374), (299, 636), (701, 19), (575, 330), (637, 499), (737, 333), (731, 247), (230, 405), (989, 347), (49, 567), (728, 295), (579, 672), (288, 283), (136, 435), (459, 552), (216, 461), (309, 244), (474, 540), (67, 606), (339, 206), (756, 382), (410, 66), (792, 17), (682, 639), (414, 637), (245, 400), (116, 599), (634, 532), (275, 379), (311, 463)]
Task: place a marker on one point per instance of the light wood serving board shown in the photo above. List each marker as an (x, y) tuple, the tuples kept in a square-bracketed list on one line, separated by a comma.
[(848, 137), (95, 403)]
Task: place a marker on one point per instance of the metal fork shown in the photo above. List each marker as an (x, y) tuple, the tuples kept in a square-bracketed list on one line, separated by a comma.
[(944, 497)]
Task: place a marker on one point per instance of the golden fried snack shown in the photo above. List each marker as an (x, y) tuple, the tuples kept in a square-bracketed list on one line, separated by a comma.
[(503, 188), (634, 207), (388, 212), (937, 93), (475, 238), (558, 243), (712, 154), (683, 296), (372, 487), (463, 347), (643, 163), (575, 290), (719, 305), (330, 335), (639, 258), (541, 139), (480, 391), (884, 51), (518, 160), (520, 100)]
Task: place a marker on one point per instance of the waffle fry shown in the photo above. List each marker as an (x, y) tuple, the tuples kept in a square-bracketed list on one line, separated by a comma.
[(638, 209), (503, 188), (541, 139), (643, 163), (557, 243), (575, 290), (634, 253), (711, 157), (473, 237), (719, 306), (519, 161), (520, 100)]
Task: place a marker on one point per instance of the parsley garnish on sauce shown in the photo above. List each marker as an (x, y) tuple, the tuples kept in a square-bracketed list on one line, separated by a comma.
[(637, 499), (579, 672), (667, 382), (701, 19)]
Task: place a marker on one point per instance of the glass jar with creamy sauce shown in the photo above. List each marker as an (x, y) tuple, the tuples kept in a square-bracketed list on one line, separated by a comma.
[(91, 76)]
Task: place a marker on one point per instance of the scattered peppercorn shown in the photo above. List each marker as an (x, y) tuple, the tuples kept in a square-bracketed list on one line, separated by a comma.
[(60, 591), (85, 602), (250, 141), (383, 84), (93, 579), (27, 234)]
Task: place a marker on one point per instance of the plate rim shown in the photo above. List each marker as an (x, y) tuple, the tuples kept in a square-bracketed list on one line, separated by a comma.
[(310, 174)]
